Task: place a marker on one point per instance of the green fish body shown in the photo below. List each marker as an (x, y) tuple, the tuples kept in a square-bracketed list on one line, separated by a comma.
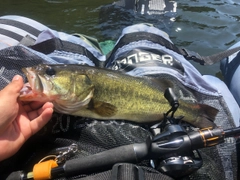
[(106, 94)]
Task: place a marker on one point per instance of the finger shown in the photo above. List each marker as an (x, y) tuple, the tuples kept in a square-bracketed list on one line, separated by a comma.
[(27, 108), (41, 120), (30, 106), (25, 102), (32, 114), (15, 86), (47, 105), (36, 104), (12, 90)]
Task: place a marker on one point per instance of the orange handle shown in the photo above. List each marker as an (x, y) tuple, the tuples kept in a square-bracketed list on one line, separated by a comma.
[(42, 170)]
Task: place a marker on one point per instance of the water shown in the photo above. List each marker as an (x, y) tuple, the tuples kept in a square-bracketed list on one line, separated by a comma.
[(207, 27), (204, 26)]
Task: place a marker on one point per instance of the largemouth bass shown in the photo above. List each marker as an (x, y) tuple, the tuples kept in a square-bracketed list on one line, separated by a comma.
[(107, 94)]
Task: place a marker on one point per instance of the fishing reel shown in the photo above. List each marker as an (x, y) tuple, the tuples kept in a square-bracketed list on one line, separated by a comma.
[(181, 163), (173, 150)]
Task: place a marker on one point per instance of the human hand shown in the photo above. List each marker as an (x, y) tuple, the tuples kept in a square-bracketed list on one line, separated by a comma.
[(18, 120)]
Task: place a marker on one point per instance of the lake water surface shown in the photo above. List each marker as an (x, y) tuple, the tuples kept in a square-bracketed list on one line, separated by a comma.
[(204, 26)]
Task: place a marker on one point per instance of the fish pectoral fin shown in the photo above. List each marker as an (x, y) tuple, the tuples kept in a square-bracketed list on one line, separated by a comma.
[(102, 108)]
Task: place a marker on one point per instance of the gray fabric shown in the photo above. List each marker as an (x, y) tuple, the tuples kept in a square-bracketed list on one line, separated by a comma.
[(219, 161)]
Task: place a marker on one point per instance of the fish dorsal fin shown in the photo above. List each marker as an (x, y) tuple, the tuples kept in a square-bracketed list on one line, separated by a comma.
[(102, 108)]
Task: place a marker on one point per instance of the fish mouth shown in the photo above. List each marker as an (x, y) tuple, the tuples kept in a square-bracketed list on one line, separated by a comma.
[(26, 90), (33, 88)]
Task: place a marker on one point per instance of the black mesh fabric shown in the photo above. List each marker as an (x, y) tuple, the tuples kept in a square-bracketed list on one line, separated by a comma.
[(128, 171), (13, 59), (94, 136)]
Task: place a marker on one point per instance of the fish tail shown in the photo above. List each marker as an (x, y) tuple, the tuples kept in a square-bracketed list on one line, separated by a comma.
[(206, 116), (209, 111)]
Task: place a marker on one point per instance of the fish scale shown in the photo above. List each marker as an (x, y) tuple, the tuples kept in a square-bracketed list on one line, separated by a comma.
[(107, 94)]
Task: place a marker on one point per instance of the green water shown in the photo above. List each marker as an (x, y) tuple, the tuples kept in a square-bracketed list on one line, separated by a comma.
[(63, 15), (204, 26), (207, 27)]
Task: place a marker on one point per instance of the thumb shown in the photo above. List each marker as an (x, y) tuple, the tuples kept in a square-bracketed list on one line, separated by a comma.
[(16, 84), (14, 87)]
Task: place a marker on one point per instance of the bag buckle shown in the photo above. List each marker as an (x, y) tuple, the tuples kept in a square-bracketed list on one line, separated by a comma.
[(192, 55), (122, 171)]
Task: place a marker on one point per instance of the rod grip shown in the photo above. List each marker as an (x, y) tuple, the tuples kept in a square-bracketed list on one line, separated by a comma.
[(105, 160)]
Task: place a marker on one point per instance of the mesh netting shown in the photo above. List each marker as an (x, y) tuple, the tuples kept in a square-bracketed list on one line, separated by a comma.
[(94, 136)]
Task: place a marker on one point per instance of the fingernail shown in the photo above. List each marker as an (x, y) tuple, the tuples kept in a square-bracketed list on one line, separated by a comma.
[(16, 78)]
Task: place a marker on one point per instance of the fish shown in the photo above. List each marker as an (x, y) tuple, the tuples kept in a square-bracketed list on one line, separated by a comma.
[(105, 94)]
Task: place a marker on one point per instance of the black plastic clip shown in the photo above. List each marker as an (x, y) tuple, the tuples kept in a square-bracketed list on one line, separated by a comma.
[(172, 99), (133, 172), (191, 55)]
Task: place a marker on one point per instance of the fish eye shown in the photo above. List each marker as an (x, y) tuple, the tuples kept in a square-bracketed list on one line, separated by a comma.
[(50, 71)]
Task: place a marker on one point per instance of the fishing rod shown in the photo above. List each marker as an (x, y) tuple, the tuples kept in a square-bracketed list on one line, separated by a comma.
[(173, 152)]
